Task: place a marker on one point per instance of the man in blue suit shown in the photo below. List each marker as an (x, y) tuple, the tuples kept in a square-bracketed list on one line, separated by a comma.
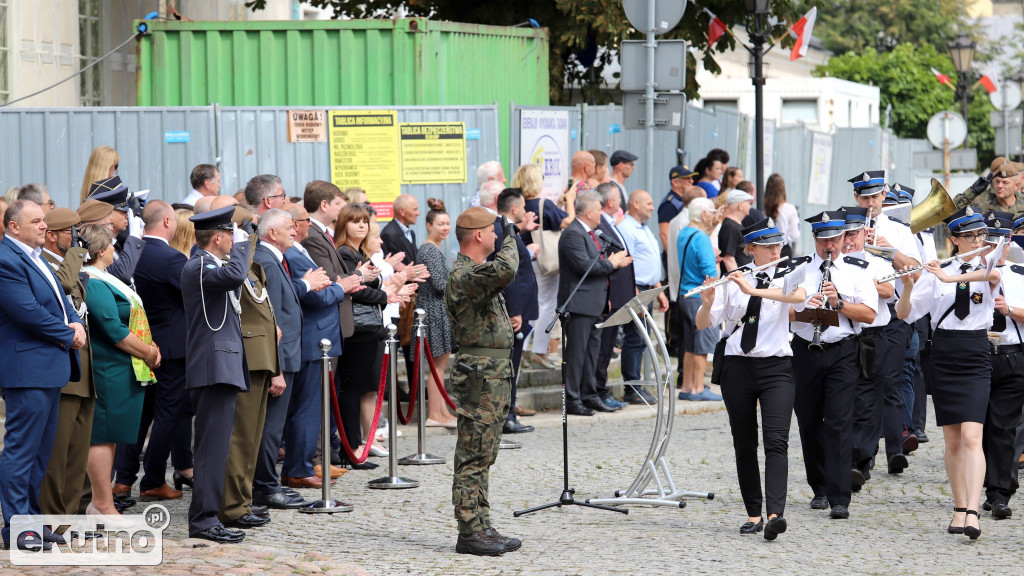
[(277, 235), (42, 333)]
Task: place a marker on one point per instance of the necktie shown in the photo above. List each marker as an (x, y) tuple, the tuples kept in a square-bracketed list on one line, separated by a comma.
[(749, 337), (962, 303), (998, 320), (596, 243), (287, 270), (412, 236)]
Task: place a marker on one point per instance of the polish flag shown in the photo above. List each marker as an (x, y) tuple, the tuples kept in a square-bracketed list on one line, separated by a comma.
[(804, 27), (715, 28), (988, 83), (943, 79)]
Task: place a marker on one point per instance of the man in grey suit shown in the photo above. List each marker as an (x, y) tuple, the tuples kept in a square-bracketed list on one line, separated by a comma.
[(216, 369), (577, 248)]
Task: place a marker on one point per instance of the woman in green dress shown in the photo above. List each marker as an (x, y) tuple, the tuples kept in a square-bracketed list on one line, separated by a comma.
[(123, 355)]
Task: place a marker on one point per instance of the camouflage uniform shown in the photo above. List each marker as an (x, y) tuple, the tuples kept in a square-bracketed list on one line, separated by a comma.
[(481, 327), (988, 201)]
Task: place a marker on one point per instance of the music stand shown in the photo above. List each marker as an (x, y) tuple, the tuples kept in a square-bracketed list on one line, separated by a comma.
[(655, 467), (817, 316)]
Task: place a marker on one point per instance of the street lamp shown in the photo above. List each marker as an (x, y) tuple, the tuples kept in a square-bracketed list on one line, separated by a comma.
[(961, 51), (757, 14)]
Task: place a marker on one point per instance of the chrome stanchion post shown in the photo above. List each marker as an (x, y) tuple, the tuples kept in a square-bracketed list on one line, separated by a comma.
[(391, 481), (421, 456), (326, 505)]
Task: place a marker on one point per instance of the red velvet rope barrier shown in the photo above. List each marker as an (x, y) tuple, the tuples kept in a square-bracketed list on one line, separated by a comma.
[(376, 416), (440, 382), (413, 387)]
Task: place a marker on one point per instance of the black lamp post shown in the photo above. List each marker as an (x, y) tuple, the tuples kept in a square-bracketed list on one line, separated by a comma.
[(961, 51), (757, 14)]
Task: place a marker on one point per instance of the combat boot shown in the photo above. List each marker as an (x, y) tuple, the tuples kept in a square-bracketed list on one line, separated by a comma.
[(479, 543), (510, 543)]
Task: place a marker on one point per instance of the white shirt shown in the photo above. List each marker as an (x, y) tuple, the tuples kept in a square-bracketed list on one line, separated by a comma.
[(898, 236), (878, 268), (933, 296), (853, 283), (730, 306), (788, 222), (1012, 286), (35, 258), (164, 240), (680, 221), (319, 224), (926, 246), (55, 256), (391, 311), (192, 198)]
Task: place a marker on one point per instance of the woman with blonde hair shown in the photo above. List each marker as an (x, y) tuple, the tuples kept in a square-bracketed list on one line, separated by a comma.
[(185, 235), (103, 164)]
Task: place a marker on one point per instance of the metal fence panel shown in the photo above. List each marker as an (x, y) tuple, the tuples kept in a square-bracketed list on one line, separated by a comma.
[(854, 150), (602, 130), (902, 167)]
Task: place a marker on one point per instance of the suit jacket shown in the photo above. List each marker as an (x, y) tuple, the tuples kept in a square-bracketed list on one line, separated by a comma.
[(259, 325), (622, 282), (37, 342), (576, 249), (214, 356), (123, 268), (74, 283), (521, 294), (158, 283), (325, 255), (284, 295), (394, 241), (319, 310)]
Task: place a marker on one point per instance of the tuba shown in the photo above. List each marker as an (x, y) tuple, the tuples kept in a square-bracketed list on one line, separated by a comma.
[(934, 208)]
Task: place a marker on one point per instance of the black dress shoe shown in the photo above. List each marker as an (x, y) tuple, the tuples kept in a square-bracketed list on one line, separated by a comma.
[(897, 463), (249, 520), (751, 528), (1000, 511), (181, 480), (220, 535), (956, 529), (774, 527), (819, 503), (598, 406), (578, 409), (922, 438), (839, 512), (972, 532), (292, 491), (336, 457), (857, 479), (259, 510), (364, 466), (515, 427), (278, 501), (480, 544)]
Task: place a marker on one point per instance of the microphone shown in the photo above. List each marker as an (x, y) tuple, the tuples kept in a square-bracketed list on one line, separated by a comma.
[(609, 240)]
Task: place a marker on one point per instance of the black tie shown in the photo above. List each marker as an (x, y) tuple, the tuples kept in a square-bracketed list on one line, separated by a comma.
[(962, 304), (412, 234), (749, 337), (998, 320)]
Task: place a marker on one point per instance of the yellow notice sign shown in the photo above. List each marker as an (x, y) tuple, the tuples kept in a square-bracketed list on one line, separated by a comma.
[(364, 154), (433, 152)]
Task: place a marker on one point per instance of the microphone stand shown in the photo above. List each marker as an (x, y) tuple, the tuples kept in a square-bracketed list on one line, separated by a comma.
[(566, 499)]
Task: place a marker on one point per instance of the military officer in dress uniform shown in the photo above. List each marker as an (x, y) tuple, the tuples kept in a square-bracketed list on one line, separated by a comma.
[(216, 369), (481, 381), (828, 372)]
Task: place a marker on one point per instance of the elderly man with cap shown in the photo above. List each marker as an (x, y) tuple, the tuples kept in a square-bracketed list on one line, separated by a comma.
[(730, 236), (128, 248), (828, 372), (216, 369), (622, 168), (481, 381)]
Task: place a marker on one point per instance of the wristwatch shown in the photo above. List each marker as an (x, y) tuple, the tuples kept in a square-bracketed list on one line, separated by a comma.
[(1009, 311), (840, 305)]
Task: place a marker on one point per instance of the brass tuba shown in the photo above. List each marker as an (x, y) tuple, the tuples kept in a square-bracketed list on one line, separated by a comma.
[(932, 209)]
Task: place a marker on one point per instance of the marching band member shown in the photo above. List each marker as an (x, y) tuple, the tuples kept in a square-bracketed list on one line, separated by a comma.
[(757, 369), (869, 190), (959, 295)]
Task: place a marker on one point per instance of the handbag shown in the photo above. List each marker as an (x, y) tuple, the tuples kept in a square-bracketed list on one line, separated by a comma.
[(367, 319), (547, 257)]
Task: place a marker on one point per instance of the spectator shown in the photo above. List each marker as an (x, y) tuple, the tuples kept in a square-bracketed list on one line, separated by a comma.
[(102, 164), (709, 172), (680, 179), (723, 157), (487, 172), (755, 215), (489, 196), (733, 176), (622, 168), (356, 196), (185, 233), (584, 168), (37, 193), (205, 180), (264, 192), (601, 166), (621, 288), (696, 263), (730, 237), (784, 213), (682, 220), (11, 195)]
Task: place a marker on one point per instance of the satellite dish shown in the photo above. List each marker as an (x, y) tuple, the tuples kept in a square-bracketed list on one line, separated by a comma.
[(667, 13), (947, 124)]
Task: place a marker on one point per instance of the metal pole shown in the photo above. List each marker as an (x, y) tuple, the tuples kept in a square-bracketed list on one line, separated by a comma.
[(326, 505), (649, 99), (421, 456), (963, 100), (758, 81), (391, 481)]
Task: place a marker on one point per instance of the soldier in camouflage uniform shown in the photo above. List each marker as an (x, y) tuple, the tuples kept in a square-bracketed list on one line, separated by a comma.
[(481, 380), (1005, 194)]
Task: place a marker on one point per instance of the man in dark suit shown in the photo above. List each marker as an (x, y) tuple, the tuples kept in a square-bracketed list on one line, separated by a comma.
[(621, 287), (158, 283), (398, 236), (215, 366), (577, 248), (42, 332), (277, 234)]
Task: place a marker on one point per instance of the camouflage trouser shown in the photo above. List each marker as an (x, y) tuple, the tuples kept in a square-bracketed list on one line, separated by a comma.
[(480, 426)]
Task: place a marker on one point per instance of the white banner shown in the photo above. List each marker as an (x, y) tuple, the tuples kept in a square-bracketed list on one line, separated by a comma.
[(821, 169), (544, 140)]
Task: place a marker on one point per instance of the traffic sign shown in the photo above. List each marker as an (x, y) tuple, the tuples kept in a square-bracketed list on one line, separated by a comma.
[(1007, 97), (669, 111), (960, 159), (667, 13), (947, 125), (669, 65)]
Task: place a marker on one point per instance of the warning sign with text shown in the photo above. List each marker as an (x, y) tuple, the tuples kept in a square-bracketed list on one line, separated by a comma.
[(307, 126), (433, 152), (365, 154)]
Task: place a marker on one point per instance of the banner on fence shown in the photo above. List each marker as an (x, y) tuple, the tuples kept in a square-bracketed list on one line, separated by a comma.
[(364, 154), (544, 140), (433, 152), (821, 169)]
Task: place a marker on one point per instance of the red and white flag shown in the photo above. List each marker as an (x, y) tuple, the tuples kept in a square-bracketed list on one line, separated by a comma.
[(804, 27), (715, 28), (988, 83), (942, 77)]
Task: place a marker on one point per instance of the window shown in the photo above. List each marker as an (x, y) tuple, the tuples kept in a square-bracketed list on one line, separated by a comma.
[(89, 46), (730, 105), (795, 111), (5, 52)]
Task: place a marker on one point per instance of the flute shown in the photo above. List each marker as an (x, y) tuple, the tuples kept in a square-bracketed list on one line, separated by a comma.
[(725, 277), (916, 269)]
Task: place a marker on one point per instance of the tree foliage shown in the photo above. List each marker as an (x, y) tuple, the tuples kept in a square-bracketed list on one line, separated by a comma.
[(905, 81), (856, 25)]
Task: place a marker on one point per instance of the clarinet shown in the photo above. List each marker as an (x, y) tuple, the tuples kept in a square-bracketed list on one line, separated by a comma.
[(826, 276)]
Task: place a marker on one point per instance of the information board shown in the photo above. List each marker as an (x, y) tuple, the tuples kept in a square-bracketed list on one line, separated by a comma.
[(433, 152), (365, 154)]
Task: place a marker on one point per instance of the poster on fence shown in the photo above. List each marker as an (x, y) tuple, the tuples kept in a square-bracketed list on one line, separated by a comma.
[(821, 169), (544, 140), (364, 153), (433, 152)]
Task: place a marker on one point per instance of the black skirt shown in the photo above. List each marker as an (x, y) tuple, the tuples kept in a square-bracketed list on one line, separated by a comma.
[(961, 376)]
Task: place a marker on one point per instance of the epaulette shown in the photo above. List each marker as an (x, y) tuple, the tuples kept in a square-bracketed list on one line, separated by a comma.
[(907, 224), (855, 261), (944, 264), (1018, 269), (790, 265)]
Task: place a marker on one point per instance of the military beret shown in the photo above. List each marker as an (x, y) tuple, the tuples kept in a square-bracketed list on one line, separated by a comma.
[(1003, 168), (475, 217), (241, 215), (61, 218), (92, 210)]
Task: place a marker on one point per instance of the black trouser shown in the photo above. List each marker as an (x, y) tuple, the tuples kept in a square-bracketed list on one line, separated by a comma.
[(172, 426), (1005, 402), (604, 358), (582, 344), (745, 383), (924, 332), (825, 386), (214, 407), (517, 359), (878, 407)]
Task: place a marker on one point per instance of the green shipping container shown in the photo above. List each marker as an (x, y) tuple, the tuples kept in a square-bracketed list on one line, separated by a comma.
[(408, 62)]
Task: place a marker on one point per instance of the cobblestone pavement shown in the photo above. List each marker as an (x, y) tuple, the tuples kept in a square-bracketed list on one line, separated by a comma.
[(897, 523)]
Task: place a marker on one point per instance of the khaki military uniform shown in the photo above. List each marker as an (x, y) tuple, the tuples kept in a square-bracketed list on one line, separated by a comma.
[(988, 201), (483, 332)]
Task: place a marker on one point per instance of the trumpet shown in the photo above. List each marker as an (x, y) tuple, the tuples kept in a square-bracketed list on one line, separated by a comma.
[(725, 278), (916, 269), (826, 276)]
